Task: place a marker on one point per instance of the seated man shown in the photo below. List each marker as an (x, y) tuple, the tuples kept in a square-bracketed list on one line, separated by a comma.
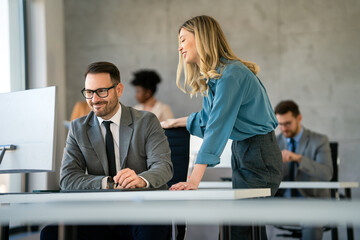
[(306, 157), (114, 145)]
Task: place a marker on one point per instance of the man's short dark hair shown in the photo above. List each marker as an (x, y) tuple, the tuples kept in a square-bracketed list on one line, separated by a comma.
[(287, 106), (105, 67), (148, 79)]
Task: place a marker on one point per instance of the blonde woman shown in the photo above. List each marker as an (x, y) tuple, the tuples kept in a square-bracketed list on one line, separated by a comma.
[(235, 106)]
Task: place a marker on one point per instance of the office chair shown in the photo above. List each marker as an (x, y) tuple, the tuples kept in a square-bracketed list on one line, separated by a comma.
[(295, 232), (334, 146), (179, 142)]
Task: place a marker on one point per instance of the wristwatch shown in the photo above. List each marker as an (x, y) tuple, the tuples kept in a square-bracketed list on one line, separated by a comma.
[(110, 183)]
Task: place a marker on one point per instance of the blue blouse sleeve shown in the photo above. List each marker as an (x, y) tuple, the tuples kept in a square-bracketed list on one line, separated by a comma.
[(229, 95), (196, 122)]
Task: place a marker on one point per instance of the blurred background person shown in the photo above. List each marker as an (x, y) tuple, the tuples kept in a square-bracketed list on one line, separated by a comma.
[(306, 157), (145, 82), (306, 154), (80, 109)]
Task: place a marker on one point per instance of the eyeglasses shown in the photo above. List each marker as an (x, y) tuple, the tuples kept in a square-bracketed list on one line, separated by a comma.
[(286, 124), (101, 92)]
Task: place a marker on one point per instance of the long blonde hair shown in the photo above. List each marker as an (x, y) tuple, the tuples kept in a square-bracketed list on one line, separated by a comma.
[(211, 44)]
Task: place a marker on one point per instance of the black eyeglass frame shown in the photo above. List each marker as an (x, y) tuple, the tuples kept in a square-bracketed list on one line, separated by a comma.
[(96, 91)]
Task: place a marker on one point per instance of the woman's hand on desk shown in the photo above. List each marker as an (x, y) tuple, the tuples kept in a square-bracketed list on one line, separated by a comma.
[(183, 186), (127, 178), (194, 181), (174, 122)]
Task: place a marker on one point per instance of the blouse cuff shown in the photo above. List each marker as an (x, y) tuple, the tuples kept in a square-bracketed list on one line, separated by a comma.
[(206, 158), (193, 125)]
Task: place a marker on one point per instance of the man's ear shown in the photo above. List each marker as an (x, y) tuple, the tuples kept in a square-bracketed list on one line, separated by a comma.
[(119, 89), (299, 118)]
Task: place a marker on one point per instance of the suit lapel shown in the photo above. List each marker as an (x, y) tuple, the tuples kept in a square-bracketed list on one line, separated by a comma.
[(97, 142), (125, 135), (303, 142)]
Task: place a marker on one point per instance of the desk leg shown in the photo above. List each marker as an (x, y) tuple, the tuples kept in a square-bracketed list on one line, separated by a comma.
[(256, 232), (350, 230), (173, 230), (67, 232), (334, 233), (335, 194), (224, 232), (4, 232), (334, 229)]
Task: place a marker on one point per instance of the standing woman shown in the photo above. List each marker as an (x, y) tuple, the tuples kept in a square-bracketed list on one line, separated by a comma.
[(235, 106)]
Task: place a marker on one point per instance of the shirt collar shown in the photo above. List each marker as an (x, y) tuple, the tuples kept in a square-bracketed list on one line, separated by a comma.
[(297, 137), (115, 119)]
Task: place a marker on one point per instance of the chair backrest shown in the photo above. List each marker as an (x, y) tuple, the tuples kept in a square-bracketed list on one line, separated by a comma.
[(334, 156), (179, 141)]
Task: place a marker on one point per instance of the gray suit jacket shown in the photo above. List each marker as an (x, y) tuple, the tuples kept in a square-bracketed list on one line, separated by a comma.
[(143, 147), (316, 163)]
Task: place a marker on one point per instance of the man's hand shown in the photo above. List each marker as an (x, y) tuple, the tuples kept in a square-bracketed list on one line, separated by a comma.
[(289, 156), (127, 178)]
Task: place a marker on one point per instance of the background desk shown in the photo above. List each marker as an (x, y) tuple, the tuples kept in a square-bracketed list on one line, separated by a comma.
[(327, 185), (213, 194)]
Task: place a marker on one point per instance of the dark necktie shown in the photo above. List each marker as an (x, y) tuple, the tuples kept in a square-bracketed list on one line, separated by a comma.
[(292, 168), (109, 142), (292, 164)]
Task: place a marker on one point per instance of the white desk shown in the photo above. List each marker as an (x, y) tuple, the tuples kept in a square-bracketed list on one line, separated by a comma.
[(262, 211), (214, 194), (90, 208), (111, 206)]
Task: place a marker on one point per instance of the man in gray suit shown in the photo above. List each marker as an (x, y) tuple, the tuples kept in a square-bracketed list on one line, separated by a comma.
[(115, 146), (306, 156)]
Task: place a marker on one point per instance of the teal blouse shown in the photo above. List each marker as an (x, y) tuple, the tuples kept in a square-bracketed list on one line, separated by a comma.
[(236, 107)]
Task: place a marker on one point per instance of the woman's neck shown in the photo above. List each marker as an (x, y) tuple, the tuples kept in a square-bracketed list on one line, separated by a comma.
[(149, 104)]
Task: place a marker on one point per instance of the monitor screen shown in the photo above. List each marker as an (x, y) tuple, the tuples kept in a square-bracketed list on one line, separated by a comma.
[(222, 171), (225, 158), (27, 121)]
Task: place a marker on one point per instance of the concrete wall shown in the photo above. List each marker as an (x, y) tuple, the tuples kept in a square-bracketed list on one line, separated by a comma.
[(308, 51)]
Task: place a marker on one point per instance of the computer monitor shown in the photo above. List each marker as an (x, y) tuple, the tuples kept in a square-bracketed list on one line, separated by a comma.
[(27, 121), (225, 158)]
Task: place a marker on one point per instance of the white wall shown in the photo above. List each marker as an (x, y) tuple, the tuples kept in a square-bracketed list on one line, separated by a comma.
[(47, 68)]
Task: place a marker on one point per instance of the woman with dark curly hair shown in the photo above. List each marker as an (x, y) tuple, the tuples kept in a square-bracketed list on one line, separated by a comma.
[(145, 82)]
